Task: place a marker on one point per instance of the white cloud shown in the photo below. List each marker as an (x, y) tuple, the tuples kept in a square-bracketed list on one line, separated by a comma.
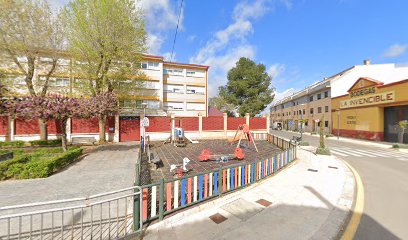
[(395, 50), (167, 57), (229, 44), (276, 69), (191, 38), (160, 18)]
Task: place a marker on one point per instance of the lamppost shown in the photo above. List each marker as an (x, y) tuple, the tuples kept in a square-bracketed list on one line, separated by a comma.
[(144, 105), (338, 123), (301, 122)]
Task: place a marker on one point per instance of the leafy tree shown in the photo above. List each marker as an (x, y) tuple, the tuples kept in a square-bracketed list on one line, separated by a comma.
[(322, 146), (28, 31), (403, 125), (248, 87), (221, 104), (107, 39)]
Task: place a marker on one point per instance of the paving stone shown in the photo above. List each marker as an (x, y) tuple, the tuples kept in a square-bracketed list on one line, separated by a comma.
[(242, 209)]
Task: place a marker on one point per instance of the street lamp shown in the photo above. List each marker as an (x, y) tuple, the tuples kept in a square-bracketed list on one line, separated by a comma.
[(301, 122), (338, 123)]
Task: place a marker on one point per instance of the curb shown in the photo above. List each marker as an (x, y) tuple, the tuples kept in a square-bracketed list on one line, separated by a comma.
[(357, 211)]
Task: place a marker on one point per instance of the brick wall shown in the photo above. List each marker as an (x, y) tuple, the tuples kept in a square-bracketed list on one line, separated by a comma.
[(26, 126), (233, 123), (85, 125), (189, 123), (3, 125), (159, 124), (213, 123), (257, 123)]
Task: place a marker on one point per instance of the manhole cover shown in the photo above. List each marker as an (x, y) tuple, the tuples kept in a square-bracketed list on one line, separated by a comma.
[(264, 202), (218, 218)]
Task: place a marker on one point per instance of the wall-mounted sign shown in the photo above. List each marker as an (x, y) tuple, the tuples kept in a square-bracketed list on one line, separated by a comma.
[(361, 92), (374, 99)]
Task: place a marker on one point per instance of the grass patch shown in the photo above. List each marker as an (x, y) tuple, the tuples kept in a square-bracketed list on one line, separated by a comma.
[(38, 163), (323, 151), (400, 145), (303, 143)]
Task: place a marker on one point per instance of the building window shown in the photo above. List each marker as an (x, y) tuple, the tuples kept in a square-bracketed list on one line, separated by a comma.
[(143, 65), (304, 111), (190, 74), (306, 122), (311, 99), (152, 65), (326, 108), (311, 110), (326, 123), (319, 96), (319, 110), (326, 94)]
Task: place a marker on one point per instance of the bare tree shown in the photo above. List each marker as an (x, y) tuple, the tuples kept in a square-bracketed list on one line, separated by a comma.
[(30, 32)]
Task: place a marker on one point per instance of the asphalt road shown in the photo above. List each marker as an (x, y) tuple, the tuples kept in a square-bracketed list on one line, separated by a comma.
[(384, 173)]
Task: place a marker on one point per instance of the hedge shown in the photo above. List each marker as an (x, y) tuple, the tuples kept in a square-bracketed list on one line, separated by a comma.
[(35, 165), (5, 166), (12, 144), (42, 143)]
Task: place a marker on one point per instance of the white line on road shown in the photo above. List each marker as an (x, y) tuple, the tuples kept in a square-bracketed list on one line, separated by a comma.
[(347, 152), (338, 153)]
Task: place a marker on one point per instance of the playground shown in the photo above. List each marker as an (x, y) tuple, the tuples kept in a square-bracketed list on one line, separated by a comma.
[(172, 155)]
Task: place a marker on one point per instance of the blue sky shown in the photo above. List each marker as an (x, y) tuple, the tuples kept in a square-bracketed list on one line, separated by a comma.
[(299, 41)]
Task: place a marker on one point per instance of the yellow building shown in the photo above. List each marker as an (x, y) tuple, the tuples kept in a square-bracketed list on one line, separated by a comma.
[(371, 110)]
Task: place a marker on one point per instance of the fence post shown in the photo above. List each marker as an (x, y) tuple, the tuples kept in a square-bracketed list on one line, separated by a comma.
[(200, 124), (225, 124), (247, 119), (161, 199), (268, 122), (117, 129), (68, 130), (220, 177), (136, 199)]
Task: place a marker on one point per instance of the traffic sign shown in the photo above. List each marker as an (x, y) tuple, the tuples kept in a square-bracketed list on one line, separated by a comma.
[(145, 122)]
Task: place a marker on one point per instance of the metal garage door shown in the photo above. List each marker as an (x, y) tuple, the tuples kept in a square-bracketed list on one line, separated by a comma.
[(129, 129), (392, 115)]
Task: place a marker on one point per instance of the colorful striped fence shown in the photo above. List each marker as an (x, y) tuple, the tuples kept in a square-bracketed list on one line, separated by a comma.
[(170, 195)]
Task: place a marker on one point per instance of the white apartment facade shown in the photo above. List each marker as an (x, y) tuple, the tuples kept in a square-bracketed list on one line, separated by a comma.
[(169, 88)]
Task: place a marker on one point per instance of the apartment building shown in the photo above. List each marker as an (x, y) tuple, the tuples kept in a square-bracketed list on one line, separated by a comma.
[(167, 88), (322, 98), (307, 106)]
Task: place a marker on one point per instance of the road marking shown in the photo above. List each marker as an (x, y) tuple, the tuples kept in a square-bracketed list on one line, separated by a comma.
[(371, 153), (347, 152), (352, 226), (338, 153)]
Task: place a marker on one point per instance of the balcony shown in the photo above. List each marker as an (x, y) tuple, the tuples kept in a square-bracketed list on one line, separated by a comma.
[(193, 81)]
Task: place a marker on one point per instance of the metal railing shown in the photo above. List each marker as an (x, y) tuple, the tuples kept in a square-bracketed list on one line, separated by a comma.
[(102, 216), (170, 195)]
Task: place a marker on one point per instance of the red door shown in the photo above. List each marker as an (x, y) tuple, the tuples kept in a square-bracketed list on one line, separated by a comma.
[(129, 129)]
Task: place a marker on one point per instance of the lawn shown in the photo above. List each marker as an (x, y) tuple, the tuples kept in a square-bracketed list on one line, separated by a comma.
[(37, 162)]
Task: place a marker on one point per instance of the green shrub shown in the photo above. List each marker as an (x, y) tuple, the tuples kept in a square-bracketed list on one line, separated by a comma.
[(329, 135), (42, 143), (399, 145), (12, 144), (45, 166), (323, 151), (302, 143), (6, 165), (313, 133)]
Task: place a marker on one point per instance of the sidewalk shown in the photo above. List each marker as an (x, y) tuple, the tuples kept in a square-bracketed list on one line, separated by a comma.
[(304, 204), (349, 140)]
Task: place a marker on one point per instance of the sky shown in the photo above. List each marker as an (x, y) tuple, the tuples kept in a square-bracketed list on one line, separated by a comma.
[(299, 41)]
